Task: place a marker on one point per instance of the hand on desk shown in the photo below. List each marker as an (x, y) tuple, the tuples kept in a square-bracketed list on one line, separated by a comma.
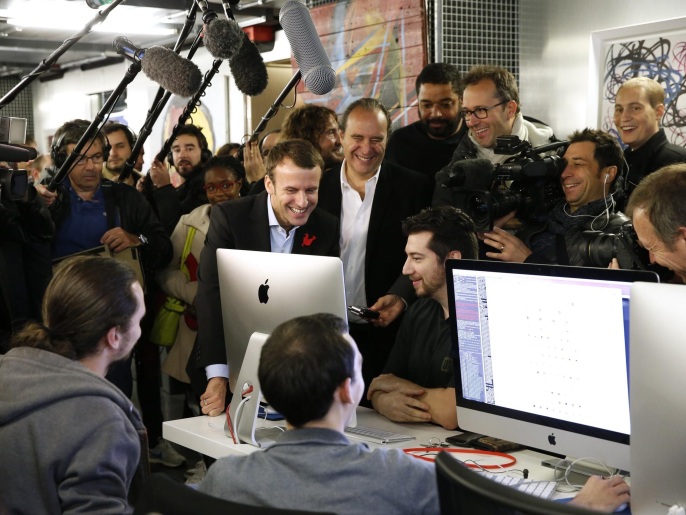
[(605, 495), (212, 402), (396, 399)]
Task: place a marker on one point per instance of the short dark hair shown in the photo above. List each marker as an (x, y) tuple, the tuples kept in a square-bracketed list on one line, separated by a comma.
[(111, 127), (71, 132), (367, 104), (226, 149), (301, 365), (505, 83), (451, 230), (194, 130), (440, 73), (607, 151), (308, 122), (661, 195), (226, 162), (301, 152), (87, 296)]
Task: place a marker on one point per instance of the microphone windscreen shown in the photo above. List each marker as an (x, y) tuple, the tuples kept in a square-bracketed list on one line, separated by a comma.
[(248, 69), (171, 71), (471, 174), (223, 38), (17, 154), (309, 53)]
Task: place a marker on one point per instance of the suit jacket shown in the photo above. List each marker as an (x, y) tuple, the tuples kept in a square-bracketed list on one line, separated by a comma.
[(243, 224), (399, 193)]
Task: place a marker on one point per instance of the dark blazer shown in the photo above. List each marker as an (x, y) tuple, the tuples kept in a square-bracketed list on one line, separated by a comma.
[(399, 193), (244, 224)]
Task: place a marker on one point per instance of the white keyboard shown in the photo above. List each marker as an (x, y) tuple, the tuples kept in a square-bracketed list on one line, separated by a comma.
[(376, 435), (542, 489)]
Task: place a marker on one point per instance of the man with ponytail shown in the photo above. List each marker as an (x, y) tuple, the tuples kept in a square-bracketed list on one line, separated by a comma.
[(70, 441)]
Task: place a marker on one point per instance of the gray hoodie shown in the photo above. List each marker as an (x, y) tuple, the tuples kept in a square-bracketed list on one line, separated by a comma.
[(69, 439)]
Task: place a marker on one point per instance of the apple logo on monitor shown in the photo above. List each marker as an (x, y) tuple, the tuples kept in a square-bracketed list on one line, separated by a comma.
[(551, 439), (263, 292)]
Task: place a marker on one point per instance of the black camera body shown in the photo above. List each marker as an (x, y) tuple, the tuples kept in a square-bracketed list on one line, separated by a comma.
[(597, 249), (528, 183)]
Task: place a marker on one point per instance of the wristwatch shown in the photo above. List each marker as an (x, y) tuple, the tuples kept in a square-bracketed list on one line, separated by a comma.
[(143, 239)]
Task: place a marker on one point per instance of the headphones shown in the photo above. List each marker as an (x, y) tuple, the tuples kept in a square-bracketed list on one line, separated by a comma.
[(192, 130), (74, 129)]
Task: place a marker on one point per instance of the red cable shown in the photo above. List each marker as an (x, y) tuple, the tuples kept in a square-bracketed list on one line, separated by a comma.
[(512, 459)]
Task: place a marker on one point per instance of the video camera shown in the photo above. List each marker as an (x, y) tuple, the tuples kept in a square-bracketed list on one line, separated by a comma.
[(598, 248), (527, 182), (14, 183)]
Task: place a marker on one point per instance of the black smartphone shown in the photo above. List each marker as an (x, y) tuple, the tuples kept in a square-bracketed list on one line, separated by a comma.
[(465, 439), (363, 312)]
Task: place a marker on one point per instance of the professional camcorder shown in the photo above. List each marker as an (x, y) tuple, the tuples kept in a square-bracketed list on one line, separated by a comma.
[(14, 183), (527, 183)]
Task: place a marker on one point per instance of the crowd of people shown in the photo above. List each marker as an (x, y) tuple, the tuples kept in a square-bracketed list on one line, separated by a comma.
[(391, 204)]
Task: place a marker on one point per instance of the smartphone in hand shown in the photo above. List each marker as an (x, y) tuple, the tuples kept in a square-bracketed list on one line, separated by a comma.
[(363, 312)]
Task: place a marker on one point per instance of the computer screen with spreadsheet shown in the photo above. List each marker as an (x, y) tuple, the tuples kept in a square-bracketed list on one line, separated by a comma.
[(541, 355)]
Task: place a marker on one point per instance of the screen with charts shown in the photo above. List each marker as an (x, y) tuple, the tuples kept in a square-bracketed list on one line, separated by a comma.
[(543, 344)]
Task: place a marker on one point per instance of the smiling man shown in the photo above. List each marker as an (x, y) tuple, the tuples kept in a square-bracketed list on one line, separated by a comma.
[(594, 159), (490, 109), (428, 144), (417, 384), (658, 211), (639, 107), (281, 219), (372, 197)]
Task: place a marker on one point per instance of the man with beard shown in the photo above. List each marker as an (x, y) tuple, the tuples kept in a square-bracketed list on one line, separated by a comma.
[(121, 140), (319, 126), (417, 384), (428, 144), (189, 152)]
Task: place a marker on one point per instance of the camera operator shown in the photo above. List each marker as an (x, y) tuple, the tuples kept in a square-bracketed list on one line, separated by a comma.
[(26, 232), (593, 161), (659, 214)]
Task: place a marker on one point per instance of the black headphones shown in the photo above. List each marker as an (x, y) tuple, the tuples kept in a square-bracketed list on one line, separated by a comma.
[(192, 130), (59, 155)]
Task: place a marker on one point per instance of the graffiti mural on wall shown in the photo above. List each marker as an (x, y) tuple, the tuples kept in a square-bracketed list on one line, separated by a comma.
[(659, 58), (377, 49)]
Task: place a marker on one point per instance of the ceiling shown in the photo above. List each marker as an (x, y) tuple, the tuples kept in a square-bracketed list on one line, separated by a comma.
[(22, 49)]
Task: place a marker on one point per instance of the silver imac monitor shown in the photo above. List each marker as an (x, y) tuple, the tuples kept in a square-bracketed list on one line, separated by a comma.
[(541, 355), (260, 290), (658, 397)]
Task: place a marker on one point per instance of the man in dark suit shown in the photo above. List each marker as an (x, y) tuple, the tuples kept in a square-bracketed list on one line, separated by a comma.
[(281, 219), (372, 197)]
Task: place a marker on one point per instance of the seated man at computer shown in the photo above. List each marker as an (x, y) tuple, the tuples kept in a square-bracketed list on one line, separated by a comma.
[(281, 219), (310, 371), (417, 384)]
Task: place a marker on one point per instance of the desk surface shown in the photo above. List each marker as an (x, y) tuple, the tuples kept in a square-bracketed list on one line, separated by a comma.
[(206, 436)]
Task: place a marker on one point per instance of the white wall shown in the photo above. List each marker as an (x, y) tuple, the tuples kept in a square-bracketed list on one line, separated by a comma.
[(555, 51)]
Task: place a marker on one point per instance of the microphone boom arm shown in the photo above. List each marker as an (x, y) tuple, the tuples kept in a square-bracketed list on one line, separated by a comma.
[(52, 58)]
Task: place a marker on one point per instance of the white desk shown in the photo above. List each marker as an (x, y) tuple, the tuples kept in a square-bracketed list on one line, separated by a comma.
[(206, 436)]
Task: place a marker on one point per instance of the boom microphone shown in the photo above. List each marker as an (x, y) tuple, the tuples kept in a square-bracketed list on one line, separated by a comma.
[(163, 66), (314, 64), (222, 38), (248, 69)]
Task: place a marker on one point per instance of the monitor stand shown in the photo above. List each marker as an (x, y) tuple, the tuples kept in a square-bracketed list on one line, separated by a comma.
[(245, 402)]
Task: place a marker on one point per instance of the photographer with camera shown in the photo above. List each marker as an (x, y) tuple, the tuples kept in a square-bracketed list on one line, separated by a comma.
[(658, 211), (490, 109), (593, 160)]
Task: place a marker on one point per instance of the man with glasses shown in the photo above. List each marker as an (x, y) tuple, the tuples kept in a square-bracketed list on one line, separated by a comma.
[(490, 109), (428, 144)]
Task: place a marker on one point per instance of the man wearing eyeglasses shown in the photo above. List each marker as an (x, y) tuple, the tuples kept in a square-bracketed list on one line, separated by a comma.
[(90, 211), (490, 109), (428, 144)]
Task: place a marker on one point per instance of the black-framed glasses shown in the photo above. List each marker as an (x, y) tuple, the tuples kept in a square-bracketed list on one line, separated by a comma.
[(211, 187), (81, 160), (480, 112)]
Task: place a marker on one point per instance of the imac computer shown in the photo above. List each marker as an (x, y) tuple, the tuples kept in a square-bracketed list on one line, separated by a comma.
[(541, 355), (658, 397), (259, 291)]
